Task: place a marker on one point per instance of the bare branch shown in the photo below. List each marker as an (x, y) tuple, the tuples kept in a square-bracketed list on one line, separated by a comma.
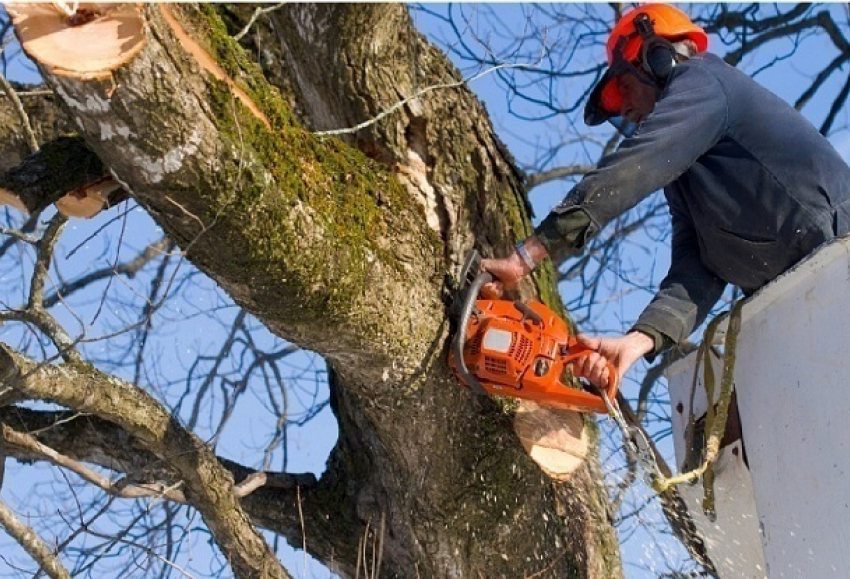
[(34, 93), (119, 488), (257, 13), (419, 94), (210, 485), (22, 114), (19, 235), (43, 258), (835, 107), (32, 543), (536, 179), (128, 268)]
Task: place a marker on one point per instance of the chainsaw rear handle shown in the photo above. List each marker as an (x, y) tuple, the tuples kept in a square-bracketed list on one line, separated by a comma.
[(460, 338), (613, 375)]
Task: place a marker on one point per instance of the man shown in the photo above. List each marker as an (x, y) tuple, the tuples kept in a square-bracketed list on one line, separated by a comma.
[(752, 187)]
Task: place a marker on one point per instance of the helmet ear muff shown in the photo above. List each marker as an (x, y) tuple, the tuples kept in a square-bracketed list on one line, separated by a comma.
[(658, 57)]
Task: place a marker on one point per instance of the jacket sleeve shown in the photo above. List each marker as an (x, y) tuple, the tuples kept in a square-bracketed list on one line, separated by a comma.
[(689, 118), (689, 290)]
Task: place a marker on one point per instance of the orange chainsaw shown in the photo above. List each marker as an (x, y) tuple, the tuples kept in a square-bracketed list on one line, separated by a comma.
[(519, 350)]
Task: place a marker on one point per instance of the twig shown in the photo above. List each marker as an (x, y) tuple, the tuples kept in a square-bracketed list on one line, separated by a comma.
[(22, 114), (418, 94), (303, 530), (142, 548), (30, 93), (30, 443), (381, 545), (18, 234), (536, 179), (257, 13), (128, 268)]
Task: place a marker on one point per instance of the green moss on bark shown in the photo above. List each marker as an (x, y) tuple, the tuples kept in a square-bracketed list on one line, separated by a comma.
[(305, 194)]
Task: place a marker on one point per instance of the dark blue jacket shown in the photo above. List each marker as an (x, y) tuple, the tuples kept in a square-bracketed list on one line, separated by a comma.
[(751, 185)]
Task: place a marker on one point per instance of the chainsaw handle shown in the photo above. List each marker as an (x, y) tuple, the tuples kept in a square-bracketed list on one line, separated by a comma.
[(528, 313), (460, 337), (613, 375)]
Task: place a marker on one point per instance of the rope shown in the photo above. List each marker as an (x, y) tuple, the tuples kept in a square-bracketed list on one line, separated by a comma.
[(717, 415)]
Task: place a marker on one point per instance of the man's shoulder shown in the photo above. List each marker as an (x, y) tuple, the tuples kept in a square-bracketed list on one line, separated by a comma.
[(704, 74), (711, 73), (710, 64)]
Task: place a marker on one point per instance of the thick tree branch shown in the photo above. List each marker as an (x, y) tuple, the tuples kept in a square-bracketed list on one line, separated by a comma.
[(205, 482), (269, 498), (59, 167), (266, 213), (361, 256)]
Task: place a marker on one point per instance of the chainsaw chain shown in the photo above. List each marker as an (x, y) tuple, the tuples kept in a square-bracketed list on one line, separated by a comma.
[(635, 439)]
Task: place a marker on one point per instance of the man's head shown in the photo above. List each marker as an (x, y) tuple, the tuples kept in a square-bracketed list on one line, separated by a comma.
[(642, 50)]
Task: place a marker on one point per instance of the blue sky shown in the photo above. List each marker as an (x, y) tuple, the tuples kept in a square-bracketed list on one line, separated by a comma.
[(191, 325)]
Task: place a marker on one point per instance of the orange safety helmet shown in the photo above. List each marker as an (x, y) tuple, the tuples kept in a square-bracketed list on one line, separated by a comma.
[(626, 44)]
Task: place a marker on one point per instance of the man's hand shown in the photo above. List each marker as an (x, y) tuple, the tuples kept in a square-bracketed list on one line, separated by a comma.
[(508, 271), (620, 352)]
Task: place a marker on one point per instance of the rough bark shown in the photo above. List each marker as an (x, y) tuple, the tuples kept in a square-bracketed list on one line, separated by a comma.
[(358, 242), (47, 119)]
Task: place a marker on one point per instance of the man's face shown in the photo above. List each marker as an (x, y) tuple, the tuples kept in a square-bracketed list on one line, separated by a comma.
[(639, 96)]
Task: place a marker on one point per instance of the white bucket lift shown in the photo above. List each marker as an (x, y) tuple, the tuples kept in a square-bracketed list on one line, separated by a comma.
[(787, 513)]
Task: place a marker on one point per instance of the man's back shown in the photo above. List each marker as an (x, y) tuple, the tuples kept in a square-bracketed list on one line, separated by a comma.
[(769, 190)]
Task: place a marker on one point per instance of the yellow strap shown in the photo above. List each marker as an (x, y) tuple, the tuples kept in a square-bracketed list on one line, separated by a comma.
[(716, 416)]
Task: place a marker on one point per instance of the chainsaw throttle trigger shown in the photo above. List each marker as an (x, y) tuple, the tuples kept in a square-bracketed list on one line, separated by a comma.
[(574, 354)]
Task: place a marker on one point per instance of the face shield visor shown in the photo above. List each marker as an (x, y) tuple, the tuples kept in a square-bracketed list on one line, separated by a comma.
[(606, 99)]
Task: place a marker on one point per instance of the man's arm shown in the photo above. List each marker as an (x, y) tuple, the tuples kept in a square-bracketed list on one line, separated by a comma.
[(687, 293), (683, 301), (689, 119)]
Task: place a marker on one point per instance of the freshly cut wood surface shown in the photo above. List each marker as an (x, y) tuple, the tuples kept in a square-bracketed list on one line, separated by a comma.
[(111, 35), (555, 439)]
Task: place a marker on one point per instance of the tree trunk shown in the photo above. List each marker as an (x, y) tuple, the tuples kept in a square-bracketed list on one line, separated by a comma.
[(342, 247)]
